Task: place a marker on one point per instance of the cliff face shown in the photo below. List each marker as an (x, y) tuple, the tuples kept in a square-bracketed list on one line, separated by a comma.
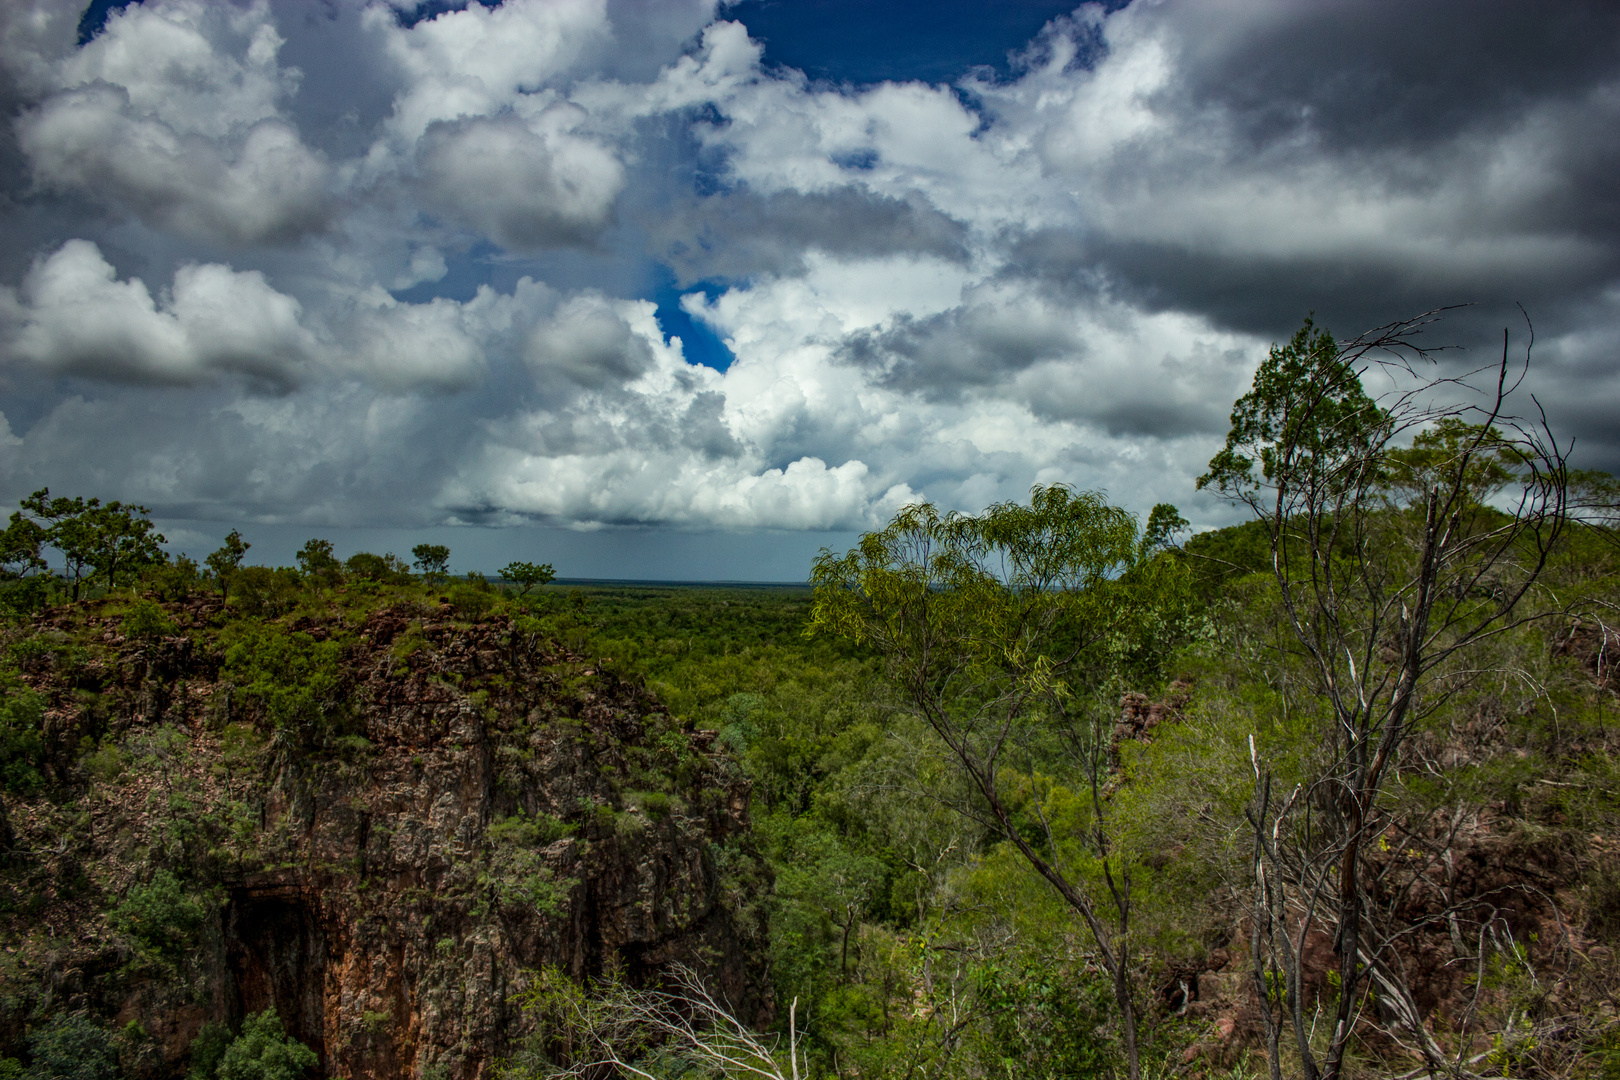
[(405, 813)]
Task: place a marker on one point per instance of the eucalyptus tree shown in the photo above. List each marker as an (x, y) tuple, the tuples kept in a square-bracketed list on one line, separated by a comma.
[(433, 560), (1401, 535), (997, 630), (226, 561), (528, 574), (91, 536)]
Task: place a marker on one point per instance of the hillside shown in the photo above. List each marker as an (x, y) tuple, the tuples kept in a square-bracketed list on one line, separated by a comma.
[(375, 815)]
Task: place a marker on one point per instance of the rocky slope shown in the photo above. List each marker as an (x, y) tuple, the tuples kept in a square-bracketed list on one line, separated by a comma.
[(377, 821)]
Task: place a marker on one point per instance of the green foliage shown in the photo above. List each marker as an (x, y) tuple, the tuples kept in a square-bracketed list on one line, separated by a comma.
[(206, 1050), (72, 1048), (1045, 1022), (144, 620), (22, 740), (296, 679), (517, 871), (471, 601), (316, 561), (528, 575), (20, 597), (21, 546), (225, 562), (387, 569), (1305, 415), (161, 919), (1164, 523), (1474, 457), (172, 581), (263, 1051), (90, 536), (266, 592)]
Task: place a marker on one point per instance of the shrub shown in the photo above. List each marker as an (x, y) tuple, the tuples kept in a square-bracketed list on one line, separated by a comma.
[(263, 1051), (517, 872), (147, 621), (160, 918), (173, 581), (470, 601), (297, 679), (72, 1048), (206, 1051), (22, 742), (265, 592), (24, 596), (387, 569)]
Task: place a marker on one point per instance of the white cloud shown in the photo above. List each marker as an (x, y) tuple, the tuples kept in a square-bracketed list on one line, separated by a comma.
[(526, 183), (73, 316), (478, 61), (951, 292), (172, 114)]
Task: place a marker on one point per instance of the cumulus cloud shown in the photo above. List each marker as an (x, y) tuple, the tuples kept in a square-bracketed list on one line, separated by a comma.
[(73, 316), (172, 114), (1064, 274), (590, 342), (478, 61), (741, 234), (525, 184), (1222, 168)]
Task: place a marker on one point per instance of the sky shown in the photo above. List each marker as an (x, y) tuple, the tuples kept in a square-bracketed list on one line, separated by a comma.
[(683, 289)]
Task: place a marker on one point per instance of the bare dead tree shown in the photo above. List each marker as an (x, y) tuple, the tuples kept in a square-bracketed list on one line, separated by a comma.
[(1391, 561), (678, 1029)]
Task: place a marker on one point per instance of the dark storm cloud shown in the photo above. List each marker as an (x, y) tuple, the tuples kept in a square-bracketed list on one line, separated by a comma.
[(942, 355), (741, 233), (1269, 296), (1368, 77), (1347, 156)]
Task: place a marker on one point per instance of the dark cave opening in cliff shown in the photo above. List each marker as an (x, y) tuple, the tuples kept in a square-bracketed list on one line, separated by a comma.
[(276, 952)]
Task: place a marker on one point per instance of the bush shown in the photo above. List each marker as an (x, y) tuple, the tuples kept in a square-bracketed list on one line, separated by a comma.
[(72, 1048), (207, 1050), (517, 871), (22, 742), (263, 1051), (173, 581), (296, 679), (147, 621), (266, 592), (24, 596), (160, 919), (470, 601), (387, 569)]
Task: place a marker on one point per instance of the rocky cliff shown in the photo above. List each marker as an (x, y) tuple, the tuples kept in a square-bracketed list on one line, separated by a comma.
[(377, 819)]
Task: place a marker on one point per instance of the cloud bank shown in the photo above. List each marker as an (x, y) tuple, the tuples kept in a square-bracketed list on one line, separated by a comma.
[(290, 261)]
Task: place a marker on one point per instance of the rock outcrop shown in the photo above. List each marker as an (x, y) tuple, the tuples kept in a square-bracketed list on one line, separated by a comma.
[(459, 802)]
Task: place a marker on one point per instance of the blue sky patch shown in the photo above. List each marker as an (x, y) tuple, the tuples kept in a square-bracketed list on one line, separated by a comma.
[(700, 344), (858, 41)]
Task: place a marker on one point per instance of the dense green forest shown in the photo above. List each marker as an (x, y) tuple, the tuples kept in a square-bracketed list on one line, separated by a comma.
[(1043, 791)]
